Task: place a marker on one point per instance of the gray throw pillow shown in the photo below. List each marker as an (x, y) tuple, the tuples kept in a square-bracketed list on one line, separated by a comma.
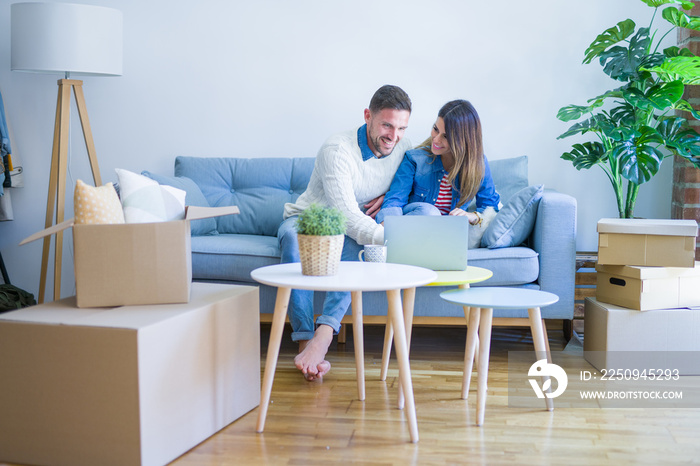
[(515, 220)]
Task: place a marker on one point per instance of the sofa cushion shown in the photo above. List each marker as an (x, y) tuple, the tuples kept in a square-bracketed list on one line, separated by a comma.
[(513, 223), (510, 266), (194, 197), (509, 177), (259, 187), (232, 257)]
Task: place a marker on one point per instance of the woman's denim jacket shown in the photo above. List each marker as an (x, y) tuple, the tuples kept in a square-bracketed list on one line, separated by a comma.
[(418, 180)]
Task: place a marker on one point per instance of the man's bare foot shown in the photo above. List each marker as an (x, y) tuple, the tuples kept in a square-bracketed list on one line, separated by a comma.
[(312, 353), (323, 369)]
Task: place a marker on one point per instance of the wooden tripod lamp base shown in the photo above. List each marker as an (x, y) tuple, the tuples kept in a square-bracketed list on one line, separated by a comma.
[(57, 178), (57, 37)]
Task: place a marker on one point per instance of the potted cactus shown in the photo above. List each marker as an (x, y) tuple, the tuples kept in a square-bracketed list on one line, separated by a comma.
[(321, 232)]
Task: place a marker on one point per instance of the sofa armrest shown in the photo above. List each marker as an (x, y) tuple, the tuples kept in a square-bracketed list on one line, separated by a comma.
[(554, 239)]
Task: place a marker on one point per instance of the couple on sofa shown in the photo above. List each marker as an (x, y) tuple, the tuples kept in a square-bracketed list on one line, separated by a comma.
[(375, 167)]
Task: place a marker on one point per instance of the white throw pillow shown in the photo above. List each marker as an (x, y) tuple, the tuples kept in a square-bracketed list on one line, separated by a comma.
[(477, 231), (145, 201)]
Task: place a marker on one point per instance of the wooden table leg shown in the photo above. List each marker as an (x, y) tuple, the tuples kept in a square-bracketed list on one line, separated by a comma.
[(483, 367), (540, 346), (401, 347), (467, 311), (409, 299), (546, 342), (386, 350), (273, 350), (358, 338), (470, 350)]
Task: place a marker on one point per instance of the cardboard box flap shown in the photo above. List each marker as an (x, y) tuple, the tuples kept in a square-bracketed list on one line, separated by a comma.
[(191, 213), (646, 226), (197, 212), (646, 273), (48, 231)]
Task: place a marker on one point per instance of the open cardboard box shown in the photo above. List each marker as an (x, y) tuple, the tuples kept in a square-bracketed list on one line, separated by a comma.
[(647, 242), (133, 263)]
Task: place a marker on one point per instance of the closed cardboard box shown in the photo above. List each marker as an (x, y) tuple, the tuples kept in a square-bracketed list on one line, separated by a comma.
[(647, 242), (648, 288), (620, 338), (133, 263), (136, 385)]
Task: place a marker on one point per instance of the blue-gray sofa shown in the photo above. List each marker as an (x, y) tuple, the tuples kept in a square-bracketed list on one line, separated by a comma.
[(227, 249)]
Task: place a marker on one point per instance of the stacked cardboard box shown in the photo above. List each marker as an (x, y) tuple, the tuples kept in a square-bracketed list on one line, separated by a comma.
[(647, 264), (133, 385), (643, 265), (141, 365)]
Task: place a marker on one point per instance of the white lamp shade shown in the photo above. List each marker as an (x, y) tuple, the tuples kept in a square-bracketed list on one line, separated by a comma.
[(66, 38)]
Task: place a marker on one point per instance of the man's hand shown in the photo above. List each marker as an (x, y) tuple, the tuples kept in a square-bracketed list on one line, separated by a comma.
[(374, 205)]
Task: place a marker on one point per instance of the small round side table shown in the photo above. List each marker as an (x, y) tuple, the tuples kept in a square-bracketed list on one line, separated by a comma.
[(488, 299)]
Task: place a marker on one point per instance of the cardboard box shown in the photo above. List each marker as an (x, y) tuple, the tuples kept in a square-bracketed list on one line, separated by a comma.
[(133, 263), (620, 338), (647, 242), (137, 385), (647, 288)]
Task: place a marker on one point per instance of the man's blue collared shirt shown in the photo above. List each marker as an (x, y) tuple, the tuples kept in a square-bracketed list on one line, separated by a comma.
[(364, 145)]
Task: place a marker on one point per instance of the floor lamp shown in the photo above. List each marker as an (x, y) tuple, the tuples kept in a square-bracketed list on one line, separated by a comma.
[(68, 39)]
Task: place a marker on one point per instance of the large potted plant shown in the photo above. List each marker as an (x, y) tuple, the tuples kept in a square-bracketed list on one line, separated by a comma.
[(321, 233), (636, 125)]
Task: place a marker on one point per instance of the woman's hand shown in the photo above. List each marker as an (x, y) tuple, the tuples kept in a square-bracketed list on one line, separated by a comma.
[(473, 217)]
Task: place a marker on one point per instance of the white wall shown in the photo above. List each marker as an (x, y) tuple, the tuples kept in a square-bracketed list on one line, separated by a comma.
[(275, 78)]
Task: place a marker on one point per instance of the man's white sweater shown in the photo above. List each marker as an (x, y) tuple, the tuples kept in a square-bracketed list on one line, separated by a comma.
[(343, 180)]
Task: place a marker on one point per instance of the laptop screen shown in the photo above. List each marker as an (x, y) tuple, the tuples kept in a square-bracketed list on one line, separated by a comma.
[(433, 242)]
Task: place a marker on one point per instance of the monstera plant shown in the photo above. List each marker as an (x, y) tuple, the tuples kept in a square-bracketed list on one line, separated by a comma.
[(637, 124)]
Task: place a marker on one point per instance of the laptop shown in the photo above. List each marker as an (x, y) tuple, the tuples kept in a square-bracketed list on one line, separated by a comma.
[(433, 242)]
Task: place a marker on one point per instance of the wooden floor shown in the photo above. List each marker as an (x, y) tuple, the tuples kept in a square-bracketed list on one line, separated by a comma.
[(325, 423)]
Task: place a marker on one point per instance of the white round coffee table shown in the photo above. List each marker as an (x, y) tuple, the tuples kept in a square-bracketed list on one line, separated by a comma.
[(354, 277), (489, 298)]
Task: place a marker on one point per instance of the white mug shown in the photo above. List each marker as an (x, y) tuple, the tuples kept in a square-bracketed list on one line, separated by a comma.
[(373, 253)]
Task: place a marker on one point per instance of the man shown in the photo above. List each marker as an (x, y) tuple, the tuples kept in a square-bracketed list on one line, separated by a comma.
[(352, 169)]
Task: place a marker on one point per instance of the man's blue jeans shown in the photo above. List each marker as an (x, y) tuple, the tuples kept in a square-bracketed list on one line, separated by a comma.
[(301, 302)]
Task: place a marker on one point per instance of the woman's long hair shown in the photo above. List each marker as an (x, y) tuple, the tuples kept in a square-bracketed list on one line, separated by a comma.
[(463, 130)]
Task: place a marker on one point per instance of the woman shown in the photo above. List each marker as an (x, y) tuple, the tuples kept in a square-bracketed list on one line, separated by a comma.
[(447, 171)]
